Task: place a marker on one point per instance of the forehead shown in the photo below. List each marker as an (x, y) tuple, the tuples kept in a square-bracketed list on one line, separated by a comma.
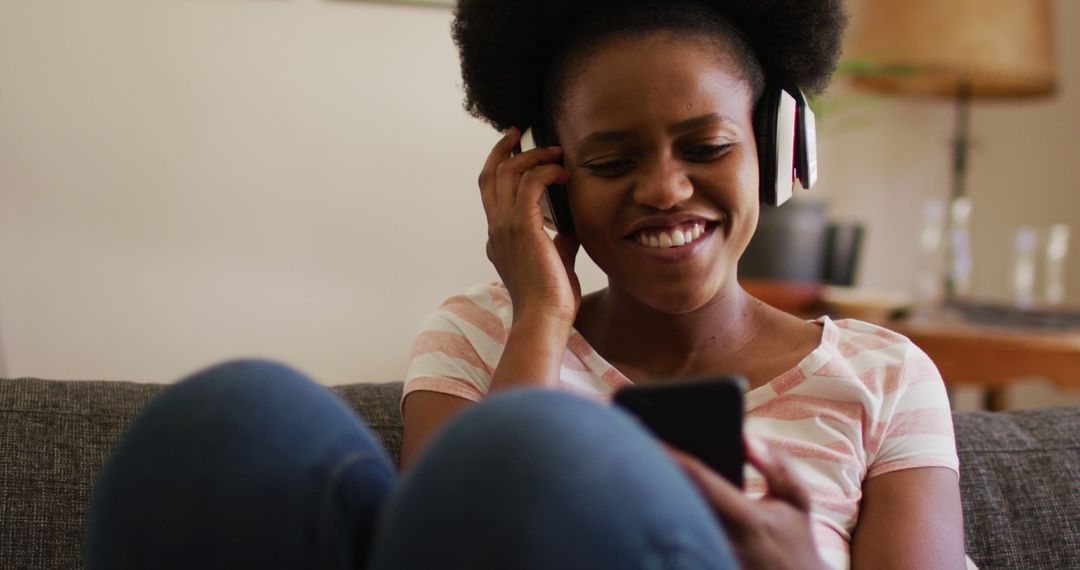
[(659, 78)]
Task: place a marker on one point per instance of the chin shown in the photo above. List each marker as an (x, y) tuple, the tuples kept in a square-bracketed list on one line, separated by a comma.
[(676, 299), (678, 306)]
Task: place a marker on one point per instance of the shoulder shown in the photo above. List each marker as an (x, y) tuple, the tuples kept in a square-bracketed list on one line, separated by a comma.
[(883, 360), (856, 331), (458, 346), (490, 296), (480, 309), (852, 338)]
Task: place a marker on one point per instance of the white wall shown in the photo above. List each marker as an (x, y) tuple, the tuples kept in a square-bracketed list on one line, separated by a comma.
[(183, 182)]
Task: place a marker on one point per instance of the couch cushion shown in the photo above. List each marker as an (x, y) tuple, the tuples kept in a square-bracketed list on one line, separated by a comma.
[(378, 404), (1020, 482), (55, 437)]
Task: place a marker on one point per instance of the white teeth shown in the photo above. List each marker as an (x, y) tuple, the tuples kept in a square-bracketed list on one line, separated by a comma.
[(672, 238)]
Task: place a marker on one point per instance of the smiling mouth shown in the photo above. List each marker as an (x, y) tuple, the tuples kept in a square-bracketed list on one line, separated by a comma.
[(675, 236)]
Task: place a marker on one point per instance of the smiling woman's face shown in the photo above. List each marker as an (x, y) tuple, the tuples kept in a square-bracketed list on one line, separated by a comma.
[(657, 136)]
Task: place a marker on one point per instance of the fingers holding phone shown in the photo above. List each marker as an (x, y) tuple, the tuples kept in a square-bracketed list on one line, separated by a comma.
[(538, 272), (775, 531), (781, 480), (512, 178)]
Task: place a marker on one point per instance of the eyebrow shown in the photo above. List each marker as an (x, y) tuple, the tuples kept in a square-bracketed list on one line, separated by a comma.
[(602, 137)]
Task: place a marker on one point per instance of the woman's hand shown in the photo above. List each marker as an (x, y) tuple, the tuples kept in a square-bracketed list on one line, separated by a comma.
[(772, 532), (538, 271)]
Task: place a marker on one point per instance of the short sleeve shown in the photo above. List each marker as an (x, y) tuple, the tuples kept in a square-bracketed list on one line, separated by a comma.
[(914, 428), (458, 346)]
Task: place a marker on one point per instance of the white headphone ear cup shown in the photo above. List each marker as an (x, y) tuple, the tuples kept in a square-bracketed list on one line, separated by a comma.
[(786, 112), (776, 130), (805, 143)]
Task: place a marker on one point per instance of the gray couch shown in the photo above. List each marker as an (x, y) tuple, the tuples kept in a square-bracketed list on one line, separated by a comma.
[(1020, 471)]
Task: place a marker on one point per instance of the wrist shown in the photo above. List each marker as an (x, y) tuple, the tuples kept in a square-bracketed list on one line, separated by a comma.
[(544, 322), (533, 353)]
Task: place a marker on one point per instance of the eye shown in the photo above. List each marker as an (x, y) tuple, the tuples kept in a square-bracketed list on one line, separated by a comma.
[(706, 152), (609, 167)]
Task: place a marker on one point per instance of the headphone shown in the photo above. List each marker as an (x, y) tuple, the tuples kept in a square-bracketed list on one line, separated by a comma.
[(786, 135)]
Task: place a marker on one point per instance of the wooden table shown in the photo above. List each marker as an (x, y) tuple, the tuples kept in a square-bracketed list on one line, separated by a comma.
[(992, 357)]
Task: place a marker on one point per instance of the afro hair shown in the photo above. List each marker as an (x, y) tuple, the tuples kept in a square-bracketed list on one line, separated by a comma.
[(512, 51)]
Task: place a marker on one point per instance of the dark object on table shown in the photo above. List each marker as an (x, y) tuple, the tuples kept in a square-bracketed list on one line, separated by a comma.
[(843, 242), (784, 263), (1007, 316)]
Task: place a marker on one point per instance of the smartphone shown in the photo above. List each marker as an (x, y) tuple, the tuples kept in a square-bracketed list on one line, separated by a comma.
[(554, 203), (700, 416)]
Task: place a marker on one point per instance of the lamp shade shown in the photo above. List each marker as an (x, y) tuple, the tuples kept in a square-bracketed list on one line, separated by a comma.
[(997, 48)]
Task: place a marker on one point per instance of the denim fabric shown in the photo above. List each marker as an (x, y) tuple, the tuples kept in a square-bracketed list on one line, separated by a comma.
[(251, 465)]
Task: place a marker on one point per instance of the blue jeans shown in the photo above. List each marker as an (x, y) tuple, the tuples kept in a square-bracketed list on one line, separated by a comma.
[(251, 465)]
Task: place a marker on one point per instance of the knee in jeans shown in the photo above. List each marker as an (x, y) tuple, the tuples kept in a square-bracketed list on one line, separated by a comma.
[(238, 385), (241, 375), (534, 418), (219, 397), (533, 410)]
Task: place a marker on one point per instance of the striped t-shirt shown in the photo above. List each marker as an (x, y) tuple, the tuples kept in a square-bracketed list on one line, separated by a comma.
[(865, 402)]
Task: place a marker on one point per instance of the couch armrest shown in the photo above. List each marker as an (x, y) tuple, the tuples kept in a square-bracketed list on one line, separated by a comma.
[(1020, 484)]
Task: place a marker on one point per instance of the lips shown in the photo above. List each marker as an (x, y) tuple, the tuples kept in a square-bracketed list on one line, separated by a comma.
[(677, 235)]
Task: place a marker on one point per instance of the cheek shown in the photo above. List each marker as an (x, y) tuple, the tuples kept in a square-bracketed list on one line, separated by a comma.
[(748, 177), (748, 228), (580, 207), (750, 206), (590, 204), (593, 210)]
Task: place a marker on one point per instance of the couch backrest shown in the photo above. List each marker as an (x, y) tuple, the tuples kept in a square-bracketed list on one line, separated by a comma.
[(1020, 471)]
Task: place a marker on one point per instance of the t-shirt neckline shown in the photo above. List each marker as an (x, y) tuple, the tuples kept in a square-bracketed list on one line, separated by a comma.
[(809, 364)]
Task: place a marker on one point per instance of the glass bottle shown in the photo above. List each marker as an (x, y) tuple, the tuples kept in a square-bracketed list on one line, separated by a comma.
[(928, 278), (958, 283), (1025, 242), (1057, 247)]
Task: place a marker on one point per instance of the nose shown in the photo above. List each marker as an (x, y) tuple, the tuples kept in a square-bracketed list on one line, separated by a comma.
[(663, 185)]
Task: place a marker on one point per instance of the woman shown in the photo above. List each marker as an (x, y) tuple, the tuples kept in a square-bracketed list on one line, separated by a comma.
[(653, 104), (250, 464)]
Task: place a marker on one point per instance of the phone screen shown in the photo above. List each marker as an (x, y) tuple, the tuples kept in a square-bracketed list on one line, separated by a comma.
[(700, 416)]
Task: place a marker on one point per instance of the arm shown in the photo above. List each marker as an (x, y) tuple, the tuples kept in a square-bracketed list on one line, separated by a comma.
[(910, 519), (423, 413), (538, 273), (532, 356)]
